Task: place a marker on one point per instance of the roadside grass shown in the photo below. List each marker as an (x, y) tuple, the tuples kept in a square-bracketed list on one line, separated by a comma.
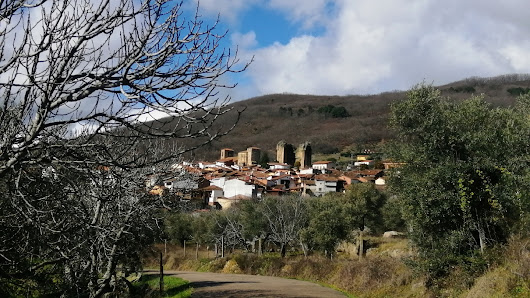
[(174, 287), (381, 273)]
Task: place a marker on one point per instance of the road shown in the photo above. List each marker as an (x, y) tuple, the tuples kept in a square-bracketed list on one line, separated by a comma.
[(244, 286)]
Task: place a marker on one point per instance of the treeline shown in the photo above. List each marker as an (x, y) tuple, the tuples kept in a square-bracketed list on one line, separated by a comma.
[(304, 224)]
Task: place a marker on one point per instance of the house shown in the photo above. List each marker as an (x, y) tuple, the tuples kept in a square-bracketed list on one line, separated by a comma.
[(225, 203), (363, 157), (226, 162), (212, 194), (286, 180), (278, 166), (323, 165), (236, 187), (325, 184), (364, 162)]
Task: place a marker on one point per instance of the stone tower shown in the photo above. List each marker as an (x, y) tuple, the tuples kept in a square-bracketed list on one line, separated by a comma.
[(285, 153), (303, 155), (227, 152), (254, 155)]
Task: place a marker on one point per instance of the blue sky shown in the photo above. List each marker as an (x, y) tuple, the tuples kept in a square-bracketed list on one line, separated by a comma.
[(338, 47)]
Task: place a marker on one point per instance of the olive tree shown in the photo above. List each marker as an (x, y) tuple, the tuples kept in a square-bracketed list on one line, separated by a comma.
[(78, 81), (464, 183)]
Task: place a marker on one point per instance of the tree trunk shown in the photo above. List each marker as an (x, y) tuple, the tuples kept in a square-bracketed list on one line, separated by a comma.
[(283, 250), (197, 251), (222, 247), (481, 238)]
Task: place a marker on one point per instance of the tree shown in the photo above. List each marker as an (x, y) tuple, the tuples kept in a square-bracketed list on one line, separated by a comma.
[(264, 160), (285, 217), (329, 222), (78, 80), (464, 185)]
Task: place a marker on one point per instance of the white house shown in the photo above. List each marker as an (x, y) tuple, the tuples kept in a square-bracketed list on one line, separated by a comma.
[(364, 162), (325, 184), (278, 166), (323, 165), (236, 187)]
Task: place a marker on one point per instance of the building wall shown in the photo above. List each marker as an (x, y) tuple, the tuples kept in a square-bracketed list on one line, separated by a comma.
[(242, 158), (235, 187), (227, 153), (303, 155), (285, 153), (253, 155)]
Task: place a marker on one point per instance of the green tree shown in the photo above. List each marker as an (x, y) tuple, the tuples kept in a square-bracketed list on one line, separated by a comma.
[(365, 203), (179, 227), (264, 160), (329, 221), (464, 183)]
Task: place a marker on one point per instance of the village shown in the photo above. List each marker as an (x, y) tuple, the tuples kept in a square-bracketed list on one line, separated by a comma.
[(238, 176)]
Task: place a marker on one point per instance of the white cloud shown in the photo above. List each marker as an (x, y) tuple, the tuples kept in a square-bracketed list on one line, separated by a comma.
[(306, 12), (379, 46), (229, 10), (245, 41)]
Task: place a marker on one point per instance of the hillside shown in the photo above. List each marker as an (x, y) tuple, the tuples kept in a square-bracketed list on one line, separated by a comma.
[(265, 120)]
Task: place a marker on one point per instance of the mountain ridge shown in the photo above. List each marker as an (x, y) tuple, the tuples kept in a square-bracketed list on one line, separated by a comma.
[(295, 118)]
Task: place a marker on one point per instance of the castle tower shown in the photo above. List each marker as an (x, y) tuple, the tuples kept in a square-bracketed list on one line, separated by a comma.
[(303, 155), (227, 152), (242, 158), (253, 155), (285, 153)]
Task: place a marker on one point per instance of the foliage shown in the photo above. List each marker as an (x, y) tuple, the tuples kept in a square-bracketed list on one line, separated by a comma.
[(330, 221), (516, 91), (464, 89), (264, 160), (464, 186), (334, 111), (180, 226)]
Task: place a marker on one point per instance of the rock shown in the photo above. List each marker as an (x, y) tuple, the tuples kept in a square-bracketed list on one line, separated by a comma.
[(392, 234)]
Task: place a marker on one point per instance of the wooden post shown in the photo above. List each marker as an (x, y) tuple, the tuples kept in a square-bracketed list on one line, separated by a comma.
[(222, 246), (361, 245), (184, 248), (197, 251), (161, 277)]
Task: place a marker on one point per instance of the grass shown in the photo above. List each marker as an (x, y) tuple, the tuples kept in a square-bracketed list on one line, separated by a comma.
[(174, 287)]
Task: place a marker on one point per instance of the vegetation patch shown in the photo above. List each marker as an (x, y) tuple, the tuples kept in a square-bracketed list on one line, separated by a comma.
[(149, 286)]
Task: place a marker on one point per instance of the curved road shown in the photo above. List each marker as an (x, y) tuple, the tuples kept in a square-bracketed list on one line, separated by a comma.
[(240, 285)]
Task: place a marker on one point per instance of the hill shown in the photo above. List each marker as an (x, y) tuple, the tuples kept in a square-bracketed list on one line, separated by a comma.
[(265, 120)]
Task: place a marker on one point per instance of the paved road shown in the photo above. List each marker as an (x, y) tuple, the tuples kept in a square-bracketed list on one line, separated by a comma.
[(244, 286)]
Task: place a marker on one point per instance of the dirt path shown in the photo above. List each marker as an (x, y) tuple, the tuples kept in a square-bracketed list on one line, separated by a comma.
[(240, 285)]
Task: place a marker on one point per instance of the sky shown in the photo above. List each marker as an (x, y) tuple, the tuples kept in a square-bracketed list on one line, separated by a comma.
[(341, 47)]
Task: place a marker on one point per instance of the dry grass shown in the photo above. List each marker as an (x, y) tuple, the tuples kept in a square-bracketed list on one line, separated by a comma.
[(373, 276), (382, 273)]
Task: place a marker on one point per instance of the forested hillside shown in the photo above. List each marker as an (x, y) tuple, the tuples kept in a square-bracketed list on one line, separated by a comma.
[(265, 120)]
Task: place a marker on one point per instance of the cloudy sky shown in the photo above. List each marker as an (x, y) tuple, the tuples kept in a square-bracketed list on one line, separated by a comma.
[(338, 47)]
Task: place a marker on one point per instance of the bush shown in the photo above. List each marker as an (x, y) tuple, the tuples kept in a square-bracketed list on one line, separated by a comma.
[(516, 91), (333, 111)]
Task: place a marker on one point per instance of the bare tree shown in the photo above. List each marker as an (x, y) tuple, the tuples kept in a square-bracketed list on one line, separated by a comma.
[(286, 217), (78, 80)]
